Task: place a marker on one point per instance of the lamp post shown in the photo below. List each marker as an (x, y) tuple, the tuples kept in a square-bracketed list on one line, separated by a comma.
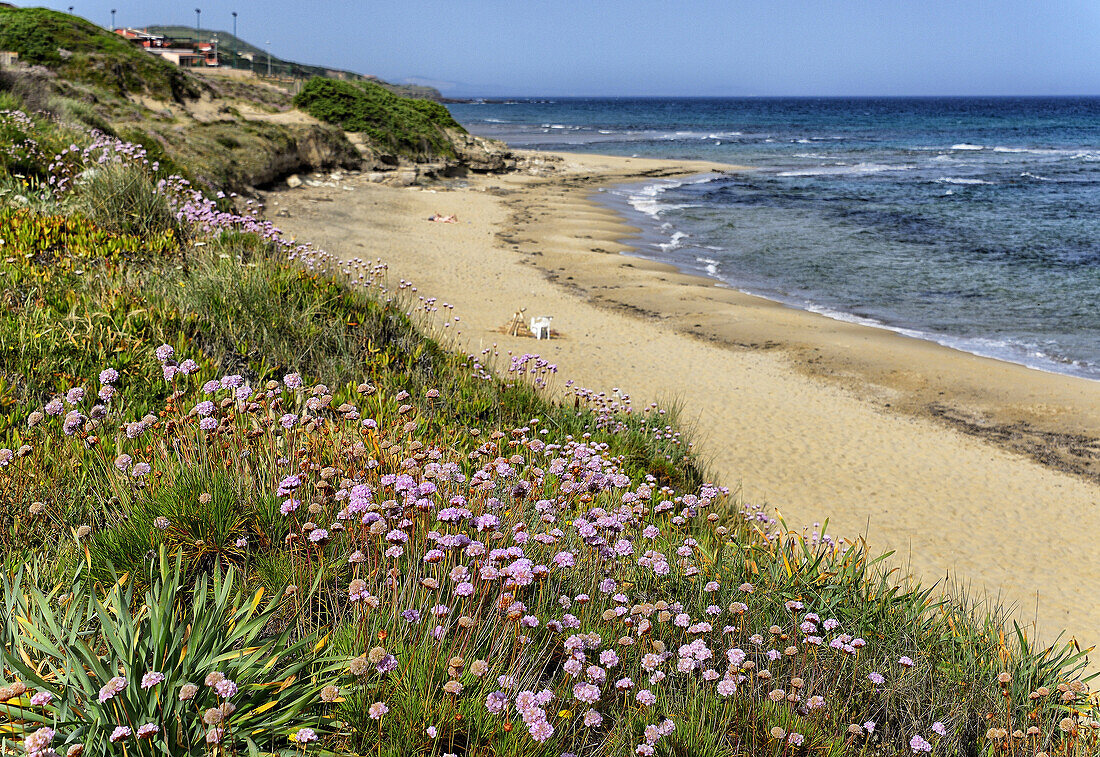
[(198, 15), (268, 45), (214, 39), (234, 39), (112, 18)]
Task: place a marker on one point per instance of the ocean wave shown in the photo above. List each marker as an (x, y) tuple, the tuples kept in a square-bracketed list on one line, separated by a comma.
[(1037, 151), (646, 199), (1037, 177), (495, 121), (674, 242), (957, 180), (854, 170), (966, 146), (710, 265), (816, 156)]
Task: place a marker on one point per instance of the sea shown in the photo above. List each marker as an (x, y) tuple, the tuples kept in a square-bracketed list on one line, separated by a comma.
[(972, 222)]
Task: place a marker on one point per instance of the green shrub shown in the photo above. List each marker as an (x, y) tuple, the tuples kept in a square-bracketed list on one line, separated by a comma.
[(413, 128)]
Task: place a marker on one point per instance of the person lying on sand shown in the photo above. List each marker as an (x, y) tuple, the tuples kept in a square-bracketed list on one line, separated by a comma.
[(443, 219)]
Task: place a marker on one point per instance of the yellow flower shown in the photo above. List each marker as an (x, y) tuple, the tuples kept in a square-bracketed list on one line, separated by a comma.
[(565, 714)]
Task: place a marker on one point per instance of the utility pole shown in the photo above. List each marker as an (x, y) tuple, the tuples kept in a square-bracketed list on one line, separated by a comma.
[(268, 45), (234, 39), (198, 15)]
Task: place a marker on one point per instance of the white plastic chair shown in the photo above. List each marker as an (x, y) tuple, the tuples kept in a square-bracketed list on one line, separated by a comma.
[(540, 324)]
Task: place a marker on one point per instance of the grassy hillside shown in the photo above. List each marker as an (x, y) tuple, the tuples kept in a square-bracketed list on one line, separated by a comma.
[(82, 52), (404, 126)]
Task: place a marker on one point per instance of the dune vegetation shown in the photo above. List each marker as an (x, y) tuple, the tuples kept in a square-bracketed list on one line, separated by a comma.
[(254, 499)]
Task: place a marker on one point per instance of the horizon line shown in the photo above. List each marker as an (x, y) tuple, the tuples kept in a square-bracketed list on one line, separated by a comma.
[(788, 97)]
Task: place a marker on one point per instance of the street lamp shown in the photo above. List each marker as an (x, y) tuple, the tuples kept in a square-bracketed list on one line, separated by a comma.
[(112, 18), (198, 15), (234, 39), (268, 45)]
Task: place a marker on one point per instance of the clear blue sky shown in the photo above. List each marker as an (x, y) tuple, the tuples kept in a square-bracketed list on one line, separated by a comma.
[(670, 47)]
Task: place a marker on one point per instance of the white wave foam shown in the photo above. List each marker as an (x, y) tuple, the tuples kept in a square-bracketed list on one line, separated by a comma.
[(956, 180), (674, 242), (857, 169), (1037, 151), (814, 156), (710, 265), (965, 146), (646, 199), (495, 121), (1037, 177)]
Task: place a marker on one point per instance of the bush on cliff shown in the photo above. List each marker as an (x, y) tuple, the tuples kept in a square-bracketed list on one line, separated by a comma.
[(404, 126)]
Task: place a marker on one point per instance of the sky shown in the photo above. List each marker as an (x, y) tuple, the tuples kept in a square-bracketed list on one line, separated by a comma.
[(673, 47)]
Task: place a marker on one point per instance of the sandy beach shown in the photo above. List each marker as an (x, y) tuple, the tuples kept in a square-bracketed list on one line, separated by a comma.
[(975, 471)]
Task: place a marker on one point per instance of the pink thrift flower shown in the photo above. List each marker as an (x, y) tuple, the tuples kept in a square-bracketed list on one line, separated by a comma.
[(225, 688)]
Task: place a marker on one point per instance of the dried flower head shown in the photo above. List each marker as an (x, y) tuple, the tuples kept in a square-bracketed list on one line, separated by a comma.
[(358, 666)]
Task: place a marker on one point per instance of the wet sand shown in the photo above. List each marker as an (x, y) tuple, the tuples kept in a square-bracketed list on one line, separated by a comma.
[(974, 470)]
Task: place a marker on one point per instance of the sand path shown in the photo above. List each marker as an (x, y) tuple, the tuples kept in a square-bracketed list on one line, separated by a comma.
[(816, 418)]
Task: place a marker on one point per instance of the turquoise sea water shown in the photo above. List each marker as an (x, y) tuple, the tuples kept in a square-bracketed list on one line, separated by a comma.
[(974, 222)]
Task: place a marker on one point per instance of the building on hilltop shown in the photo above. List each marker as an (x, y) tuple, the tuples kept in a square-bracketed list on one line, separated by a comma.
[(184, 52)]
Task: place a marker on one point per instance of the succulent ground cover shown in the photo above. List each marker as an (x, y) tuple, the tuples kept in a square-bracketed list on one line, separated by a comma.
[(254, 502)]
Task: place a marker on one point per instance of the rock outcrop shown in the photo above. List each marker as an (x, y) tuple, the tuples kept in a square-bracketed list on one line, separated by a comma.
[(473, 154)]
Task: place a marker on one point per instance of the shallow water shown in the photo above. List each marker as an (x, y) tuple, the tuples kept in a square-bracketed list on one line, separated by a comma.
[(970, 221)]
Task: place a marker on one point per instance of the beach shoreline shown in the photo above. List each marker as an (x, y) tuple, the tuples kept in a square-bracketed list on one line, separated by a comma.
[(974, 469)]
